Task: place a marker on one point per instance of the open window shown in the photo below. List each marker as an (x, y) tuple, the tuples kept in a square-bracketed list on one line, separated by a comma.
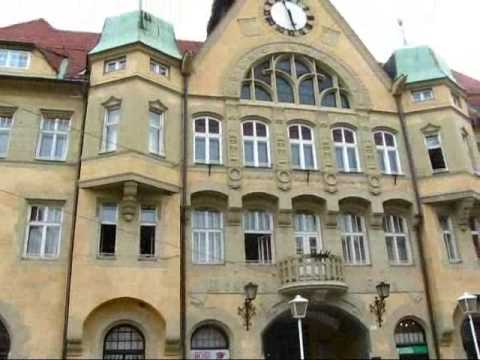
[(258, 233), (108, 229), (148, 231)]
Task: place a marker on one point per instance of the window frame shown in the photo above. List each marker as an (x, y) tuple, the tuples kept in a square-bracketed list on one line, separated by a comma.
[(269, 232), (256, 140), (209, 258), (8, 131), (439, 146), (219, 330), (302, 143), (350, 243), (475, 232), (159, 129), (103, 222), (208, 136), (345, 146), (154, 224), (107, 354), (385, 149), (9, 55), (120, 64), (55, 134), (104, 143), (307, 235), (422, 92), (395, 235), (453, 240), (154, 65), (44, 225)]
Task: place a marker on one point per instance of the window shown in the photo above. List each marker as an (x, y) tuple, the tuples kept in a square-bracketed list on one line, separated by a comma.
[(116, 64), (475, 230), (156, 121), (422, 95), (110, 129), (346, 151), (6, 123), (207, 235), (14, 59), (53, 143), (108, 229), (302, 147), (207, 141), (411, 341), (435, 152), (354, 239), (294, 79), (307, 234), (470, 147), (449, 239), (209, 342), (258, 237), (256, 146), (44, 231), (4, 342), (387, 152), (124, 342), (456, 100), (148, 230), (158, 68), (396, 237)]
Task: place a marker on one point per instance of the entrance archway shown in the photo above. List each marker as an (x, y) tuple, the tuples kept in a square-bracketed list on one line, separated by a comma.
[(467, 337), (328, 332), (4, 342)]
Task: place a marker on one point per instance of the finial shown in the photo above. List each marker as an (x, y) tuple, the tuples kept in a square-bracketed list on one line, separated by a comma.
[(402, 29)]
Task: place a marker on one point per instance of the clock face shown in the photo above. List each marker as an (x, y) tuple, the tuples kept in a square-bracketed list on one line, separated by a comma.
[(290, 17)]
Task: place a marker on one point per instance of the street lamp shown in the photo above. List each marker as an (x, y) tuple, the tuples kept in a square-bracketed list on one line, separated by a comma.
[(298, 307), (468, 303), (379, 304), (248, 310)]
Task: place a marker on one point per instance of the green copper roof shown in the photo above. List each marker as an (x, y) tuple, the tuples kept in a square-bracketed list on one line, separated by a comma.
[(419, 63), (138, 26)]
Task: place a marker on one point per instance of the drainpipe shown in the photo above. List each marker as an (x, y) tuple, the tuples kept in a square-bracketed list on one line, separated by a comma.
[(397, 93), (68, 286), (186, 72)]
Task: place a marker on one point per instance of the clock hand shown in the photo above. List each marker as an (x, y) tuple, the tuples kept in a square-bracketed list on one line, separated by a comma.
[(290, 16)]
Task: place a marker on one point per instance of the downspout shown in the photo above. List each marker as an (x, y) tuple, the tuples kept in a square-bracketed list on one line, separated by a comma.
[(68, 285), (397, 93), (186, 72)]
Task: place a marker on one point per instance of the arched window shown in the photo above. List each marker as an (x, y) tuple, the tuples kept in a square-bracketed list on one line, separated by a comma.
[(410, 340), (302, 147), (294, 78), (396, 237), (387, 152), (4, 342), (256, 144), (207, 147), (124, 342), (346, 150), (467, 336), (307, 234), (209, 342), (207, 235), (354, 239)]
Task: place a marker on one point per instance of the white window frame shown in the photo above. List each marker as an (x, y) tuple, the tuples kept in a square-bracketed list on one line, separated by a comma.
[(105, 222), (208, 136), (385, 149), (149, 224), (10, 52), (422, 95), (269, 232), (302, 143), (305, 236), (395, 238), (107, 123), (158, 68), (159, 129), (209, 258), (56, 132), (44, 225), (119, 64), (439, 146), (6, 130), (256, 140), (448, 235), (348, 239), (475, 232), (345, 146)]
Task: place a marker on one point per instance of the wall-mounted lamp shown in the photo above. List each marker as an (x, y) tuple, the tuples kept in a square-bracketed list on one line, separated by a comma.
[(248, 310), (379, 304)]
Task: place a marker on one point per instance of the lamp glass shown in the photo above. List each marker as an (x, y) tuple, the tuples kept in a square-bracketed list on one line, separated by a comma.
[(468, 303), (298, 307), (251, 291), (383, 290)]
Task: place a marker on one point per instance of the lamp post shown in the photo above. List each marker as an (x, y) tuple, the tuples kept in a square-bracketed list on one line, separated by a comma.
[(379, 304), (298, 307), (248, 310), (468, 303)]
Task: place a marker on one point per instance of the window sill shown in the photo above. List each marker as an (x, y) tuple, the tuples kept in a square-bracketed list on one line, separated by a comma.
[(147, 258), (400, 265), (441, 171), (253, 167), (209, 264), (393, 175), (306, 170), (259, 264), (50, 160), (106, 257), (342, 172), (357, 265), (204, 164), (39, 258), (105, 152), (455, 262), (157, 155)]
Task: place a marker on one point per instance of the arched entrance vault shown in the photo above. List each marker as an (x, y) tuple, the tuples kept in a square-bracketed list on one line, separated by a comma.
[(329, 332)]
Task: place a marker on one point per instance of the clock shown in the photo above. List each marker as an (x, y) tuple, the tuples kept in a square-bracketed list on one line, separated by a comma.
[(290, 17)]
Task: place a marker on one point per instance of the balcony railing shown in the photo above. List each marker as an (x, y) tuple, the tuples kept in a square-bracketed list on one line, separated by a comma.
[(311, 273)]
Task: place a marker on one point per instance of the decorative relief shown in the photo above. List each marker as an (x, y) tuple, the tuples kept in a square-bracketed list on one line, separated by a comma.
[(374, 184), (235, 178), (284, 180), (233, 147), (330, 180), (129, 201)]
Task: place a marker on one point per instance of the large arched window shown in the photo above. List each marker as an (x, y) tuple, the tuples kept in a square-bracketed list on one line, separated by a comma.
[(124, 342), (211, 342), (207, 147), (296, 79), (410, 340), (302, 147), (256, 144), (387, 152), (4, 342), (467, 336), (346, 150)]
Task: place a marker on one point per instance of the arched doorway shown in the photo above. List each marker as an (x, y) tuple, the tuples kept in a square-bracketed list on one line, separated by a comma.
[(210, 342), (4, 342), (124, 342), (467, 337), (329, 332), (411, 341)]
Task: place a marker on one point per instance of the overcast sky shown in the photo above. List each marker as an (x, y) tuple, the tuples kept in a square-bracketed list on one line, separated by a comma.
[(450, 26)]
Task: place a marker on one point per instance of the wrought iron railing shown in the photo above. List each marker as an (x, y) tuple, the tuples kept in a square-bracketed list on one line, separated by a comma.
[(311, 268)]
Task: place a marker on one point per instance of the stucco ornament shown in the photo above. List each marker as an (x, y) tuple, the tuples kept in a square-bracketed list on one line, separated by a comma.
[(234, 178), (330, 180), (284, 180), (374, 183), (129, 201)]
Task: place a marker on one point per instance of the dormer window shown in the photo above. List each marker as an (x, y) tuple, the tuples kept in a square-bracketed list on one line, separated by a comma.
[(159, 68), (14, 59), (115, 65), (422, 95)]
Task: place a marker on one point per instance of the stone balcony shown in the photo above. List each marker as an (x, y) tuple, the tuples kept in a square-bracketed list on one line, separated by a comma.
[(311, 274)]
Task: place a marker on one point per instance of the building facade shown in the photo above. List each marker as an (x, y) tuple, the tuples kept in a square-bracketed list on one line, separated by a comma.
[(146, 180)]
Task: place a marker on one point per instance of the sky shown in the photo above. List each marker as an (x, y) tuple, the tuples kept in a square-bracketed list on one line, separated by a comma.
[(449, 26)]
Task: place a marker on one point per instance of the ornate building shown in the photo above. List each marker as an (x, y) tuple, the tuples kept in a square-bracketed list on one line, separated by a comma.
[(146, 180)]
